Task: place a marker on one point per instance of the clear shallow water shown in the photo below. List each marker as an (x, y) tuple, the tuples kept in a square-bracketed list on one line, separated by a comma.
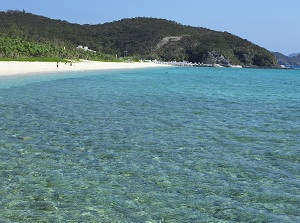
[(159, 145)]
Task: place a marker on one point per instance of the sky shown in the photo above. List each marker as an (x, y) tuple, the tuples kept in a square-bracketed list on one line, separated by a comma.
[(272, 24)]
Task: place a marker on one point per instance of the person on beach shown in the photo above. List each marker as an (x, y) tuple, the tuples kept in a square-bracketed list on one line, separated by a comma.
[(57, 64)]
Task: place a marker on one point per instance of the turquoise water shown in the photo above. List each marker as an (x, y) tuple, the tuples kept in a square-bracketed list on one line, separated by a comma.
[(151, 145)]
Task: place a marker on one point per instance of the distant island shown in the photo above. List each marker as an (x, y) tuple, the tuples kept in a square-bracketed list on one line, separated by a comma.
[(25, 36), (293, 54), (288, 61)]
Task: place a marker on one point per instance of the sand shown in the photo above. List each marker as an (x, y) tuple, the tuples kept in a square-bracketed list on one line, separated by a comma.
[(16, 68)]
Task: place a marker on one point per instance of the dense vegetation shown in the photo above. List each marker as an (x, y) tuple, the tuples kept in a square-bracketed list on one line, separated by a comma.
[(27, 35), (20, 49)]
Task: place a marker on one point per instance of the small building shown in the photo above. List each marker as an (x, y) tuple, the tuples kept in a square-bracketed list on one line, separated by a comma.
[(85, 48)]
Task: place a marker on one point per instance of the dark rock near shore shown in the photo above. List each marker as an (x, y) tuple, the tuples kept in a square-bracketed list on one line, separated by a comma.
[(216, 58)]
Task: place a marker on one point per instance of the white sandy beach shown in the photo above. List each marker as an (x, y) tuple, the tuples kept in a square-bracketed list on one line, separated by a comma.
[(16, 68)]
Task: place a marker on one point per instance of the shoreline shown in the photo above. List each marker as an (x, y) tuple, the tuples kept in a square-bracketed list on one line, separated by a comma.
[(19, 68)]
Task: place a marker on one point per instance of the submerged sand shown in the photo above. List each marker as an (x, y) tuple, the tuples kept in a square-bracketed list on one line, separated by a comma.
[(13, 68)]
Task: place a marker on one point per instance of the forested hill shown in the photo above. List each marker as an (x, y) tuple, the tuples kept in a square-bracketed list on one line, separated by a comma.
[(147, 38)]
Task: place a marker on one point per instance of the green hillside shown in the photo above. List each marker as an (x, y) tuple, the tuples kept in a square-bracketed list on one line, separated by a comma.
[(141, 38)]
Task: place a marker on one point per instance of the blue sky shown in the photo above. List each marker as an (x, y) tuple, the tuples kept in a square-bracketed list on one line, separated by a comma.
[(272, 24)]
